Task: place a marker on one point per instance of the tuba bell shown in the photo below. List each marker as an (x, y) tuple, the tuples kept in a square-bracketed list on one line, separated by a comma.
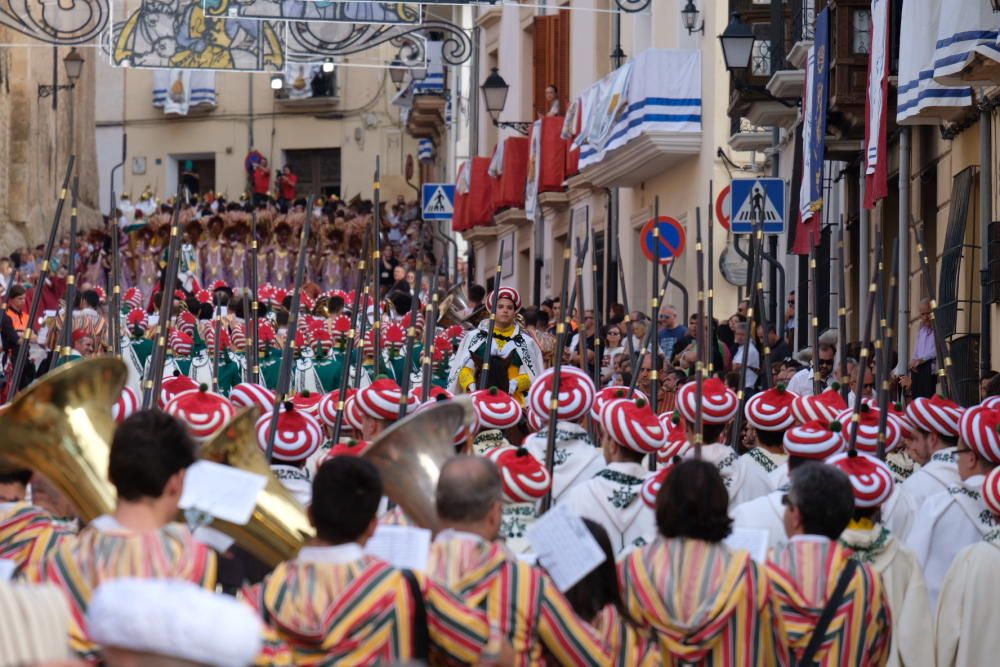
[(409, 456), (453, 307), (279, 525), (61, 427)]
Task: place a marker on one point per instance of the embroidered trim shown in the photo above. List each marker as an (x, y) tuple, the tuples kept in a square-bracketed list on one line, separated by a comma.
[(619, 477), (566, 436), (762, 459), (945, 456)]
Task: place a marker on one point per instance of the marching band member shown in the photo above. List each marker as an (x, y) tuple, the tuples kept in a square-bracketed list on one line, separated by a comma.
[(630, 431), (519, 599), (935, 439), (525, 482), (297, 437), (28, 533), (769, 413), (378, 405)]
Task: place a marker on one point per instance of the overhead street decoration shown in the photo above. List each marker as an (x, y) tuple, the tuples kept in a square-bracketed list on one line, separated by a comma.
[(317, 10)]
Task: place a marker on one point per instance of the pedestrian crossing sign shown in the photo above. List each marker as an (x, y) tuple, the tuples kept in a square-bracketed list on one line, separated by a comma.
[(438, 201), (758, 201)]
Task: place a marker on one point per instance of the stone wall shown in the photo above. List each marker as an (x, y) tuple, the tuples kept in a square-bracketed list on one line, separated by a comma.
[(36, 141)]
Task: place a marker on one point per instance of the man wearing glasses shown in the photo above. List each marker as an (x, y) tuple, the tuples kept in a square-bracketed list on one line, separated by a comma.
[(802, 382), (670, 331), (953, 519)]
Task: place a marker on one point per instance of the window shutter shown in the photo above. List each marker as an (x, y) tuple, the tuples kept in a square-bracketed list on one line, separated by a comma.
[(544, 50), (562, 60)]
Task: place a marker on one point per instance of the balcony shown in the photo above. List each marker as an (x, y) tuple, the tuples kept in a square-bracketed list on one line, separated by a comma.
[(745, 136), (426, 119), (313, 91)]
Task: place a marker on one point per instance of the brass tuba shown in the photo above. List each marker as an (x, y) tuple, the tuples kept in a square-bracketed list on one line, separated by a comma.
[(61, 427), (453, 306), (279, 525), (410, 454)]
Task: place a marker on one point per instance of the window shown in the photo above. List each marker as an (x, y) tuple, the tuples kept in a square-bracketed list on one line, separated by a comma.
[(861, 31), (551, 60)]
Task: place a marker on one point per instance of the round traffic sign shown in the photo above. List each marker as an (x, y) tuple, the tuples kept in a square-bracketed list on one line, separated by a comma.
[(671, 240), (723, 205)]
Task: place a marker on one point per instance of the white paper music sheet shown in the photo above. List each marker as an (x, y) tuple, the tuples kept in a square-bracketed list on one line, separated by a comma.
[(401, 546), (221, 491), (564, 546), (752, 540)]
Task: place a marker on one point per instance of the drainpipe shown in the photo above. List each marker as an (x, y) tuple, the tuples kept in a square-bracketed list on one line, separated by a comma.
[(903, 234), (864, 272), (985, 217)]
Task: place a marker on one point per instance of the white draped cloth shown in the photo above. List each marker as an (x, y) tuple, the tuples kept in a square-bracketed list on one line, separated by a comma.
[(576, 457), (934, 477), (295, 480), (947, 523), (966, 626), (744, 479), (912, 645), (763, 513), (612, 498)]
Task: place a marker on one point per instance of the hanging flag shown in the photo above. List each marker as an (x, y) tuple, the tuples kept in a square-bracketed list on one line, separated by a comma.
[(876, 107), (814, 136)]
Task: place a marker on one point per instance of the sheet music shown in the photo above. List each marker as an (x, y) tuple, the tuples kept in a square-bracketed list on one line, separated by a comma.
[(222, 491), (752, 540), (401, 546), (564, 546)]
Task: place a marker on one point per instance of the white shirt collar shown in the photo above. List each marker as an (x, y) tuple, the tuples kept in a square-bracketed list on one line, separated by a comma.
[(452, 534), (333, 555), (106, 522), (809, 538)]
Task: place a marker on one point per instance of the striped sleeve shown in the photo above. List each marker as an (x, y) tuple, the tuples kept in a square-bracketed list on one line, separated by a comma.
[(569, 639), (454, 628)]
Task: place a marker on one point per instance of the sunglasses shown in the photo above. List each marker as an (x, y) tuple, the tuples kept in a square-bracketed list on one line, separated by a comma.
[(963, 451), (826, 362)]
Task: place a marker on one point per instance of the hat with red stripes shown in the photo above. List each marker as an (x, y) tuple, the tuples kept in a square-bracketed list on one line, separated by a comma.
[(634, 425), (180, 343), (204, 412), (936, 414), (576, 393), (870, 478), (174, 385), (814, 440), (867, 425), (991, 491), (651, 487), (251, 394), (436, 394), (978, 429), (508, 293), (137, 319), (380, 399), (495, 409), (718, 402), (349, 447), (606, 394), (524, 478), (771, 410), (536, 422), (297, 437), (133, 297), (307, 401), (126, 405), (824, 407)]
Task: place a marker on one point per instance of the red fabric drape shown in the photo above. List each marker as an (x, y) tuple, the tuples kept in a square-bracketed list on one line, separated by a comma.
[(480, 210), (508, 189), (553, 157)]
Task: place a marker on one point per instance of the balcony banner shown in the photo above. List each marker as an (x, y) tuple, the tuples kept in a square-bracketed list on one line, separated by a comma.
[(179, 91), (876, 110), (814, 136), (534, 169), (966, 49)]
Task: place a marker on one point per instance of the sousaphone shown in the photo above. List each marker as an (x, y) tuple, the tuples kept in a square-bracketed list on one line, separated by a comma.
[(410, 454), (61, 427), (279, 525)]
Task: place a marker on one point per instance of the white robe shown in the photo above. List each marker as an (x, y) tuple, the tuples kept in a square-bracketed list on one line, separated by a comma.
[(295, 480), (135, 369), (967, 629), (912, 644), (768, 461), (947, 523), (936, 476), (744, 479), (521, 342), (613, 499), (576, 457), (763, 513)]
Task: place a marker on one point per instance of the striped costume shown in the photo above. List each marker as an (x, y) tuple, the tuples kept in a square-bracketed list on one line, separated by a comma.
[(803, 575), (705, 604), (628, 647), (530, 610), (106, 551), (28, 534), (335, 605)]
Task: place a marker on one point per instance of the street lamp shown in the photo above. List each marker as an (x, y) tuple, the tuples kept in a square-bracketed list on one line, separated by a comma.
[(397, 71), (737, 44), (73, 63), (495, 91), (689, 15)]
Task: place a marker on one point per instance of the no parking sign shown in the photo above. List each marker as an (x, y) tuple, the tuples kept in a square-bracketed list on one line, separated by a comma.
[(670, 241)]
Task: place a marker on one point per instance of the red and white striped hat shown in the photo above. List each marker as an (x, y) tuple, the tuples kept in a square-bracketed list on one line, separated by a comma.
[(771, 410), (576, 393), (867, 440), (525, 479), (126, 405), (814, 440), (133, 297), (352, 416), (137, 319), (173, 386), (906, 429), (651, 487), (823, 408), (536, 422), (991, 402), (495, 409), (350, 447), (250, 394), (718, 402), (327, 409), (239, 336), (504, 293), (341, 325), (870, 478), (380, 399), (436, 394), (606, 394), (991, 491), (224, 342), (180, 343), (298, 434), (978, 429), (204, 412), (677, 442), (633, 424), (308, 402), (935, 415), (186, 322)]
